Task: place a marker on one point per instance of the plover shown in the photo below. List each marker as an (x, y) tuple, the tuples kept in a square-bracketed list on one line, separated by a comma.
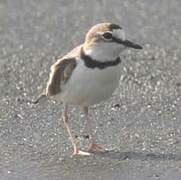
[(88, 74)]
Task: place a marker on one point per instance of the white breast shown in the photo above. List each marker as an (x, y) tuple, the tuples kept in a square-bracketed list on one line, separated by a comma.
[(90, 86)]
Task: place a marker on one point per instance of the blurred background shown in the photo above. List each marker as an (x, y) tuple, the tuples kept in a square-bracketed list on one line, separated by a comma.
[(140, 124)]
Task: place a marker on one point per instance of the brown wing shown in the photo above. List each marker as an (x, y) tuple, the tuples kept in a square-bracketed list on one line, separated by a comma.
[(59, 74), (61, 71)]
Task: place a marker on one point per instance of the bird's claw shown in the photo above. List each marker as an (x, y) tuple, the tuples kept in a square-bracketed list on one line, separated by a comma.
[(80, 152), (96, 147)]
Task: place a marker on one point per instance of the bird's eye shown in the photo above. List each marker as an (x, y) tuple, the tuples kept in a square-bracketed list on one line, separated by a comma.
[(107, 35)]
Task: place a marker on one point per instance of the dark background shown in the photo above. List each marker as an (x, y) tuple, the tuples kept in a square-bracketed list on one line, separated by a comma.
[(140, 124)]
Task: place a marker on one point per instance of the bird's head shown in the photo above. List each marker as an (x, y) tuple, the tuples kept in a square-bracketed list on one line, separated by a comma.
[(106, 41)]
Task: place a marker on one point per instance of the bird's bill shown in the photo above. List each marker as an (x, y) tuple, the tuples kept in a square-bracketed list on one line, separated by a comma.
[(127, 43), (130, 44)]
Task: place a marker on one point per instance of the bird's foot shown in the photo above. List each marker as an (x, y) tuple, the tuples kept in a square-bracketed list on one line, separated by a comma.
[(80, 152), (96, 147)]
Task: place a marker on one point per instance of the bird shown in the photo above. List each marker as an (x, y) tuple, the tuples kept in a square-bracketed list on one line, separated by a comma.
[(87, 75)]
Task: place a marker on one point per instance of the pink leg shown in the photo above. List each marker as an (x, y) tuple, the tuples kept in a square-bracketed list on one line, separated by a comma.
[(93, 146), (77, 151)]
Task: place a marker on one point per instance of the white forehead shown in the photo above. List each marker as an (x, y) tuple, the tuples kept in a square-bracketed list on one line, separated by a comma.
[(119, 33)]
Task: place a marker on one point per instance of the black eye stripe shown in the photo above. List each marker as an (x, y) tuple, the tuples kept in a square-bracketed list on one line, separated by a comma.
[(120, 41)]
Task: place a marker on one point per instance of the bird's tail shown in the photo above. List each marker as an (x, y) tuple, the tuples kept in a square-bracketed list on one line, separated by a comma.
[(41, 96)]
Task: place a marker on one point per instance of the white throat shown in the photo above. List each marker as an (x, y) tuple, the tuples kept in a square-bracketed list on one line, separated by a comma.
[(103, 52)]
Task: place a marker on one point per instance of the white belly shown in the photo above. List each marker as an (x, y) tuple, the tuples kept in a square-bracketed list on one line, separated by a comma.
[(90, 86)]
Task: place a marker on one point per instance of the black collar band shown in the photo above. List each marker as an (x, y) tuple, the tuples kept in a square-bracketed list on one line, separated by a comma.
[(92, 63)]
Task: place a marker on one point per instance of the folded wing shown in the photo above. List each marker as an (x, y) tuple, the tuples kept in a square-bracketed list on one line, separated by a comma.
[(60, 73)]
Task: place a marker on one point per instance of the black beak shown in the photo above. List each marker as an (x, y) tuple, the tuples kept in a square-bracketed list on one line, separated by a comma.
[(131, 44), (127, 43)]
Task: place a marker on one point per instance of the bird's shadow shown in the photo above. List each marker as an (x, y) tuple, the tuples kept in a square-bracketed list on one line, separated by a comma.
[(116, 155), (131, 155)]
